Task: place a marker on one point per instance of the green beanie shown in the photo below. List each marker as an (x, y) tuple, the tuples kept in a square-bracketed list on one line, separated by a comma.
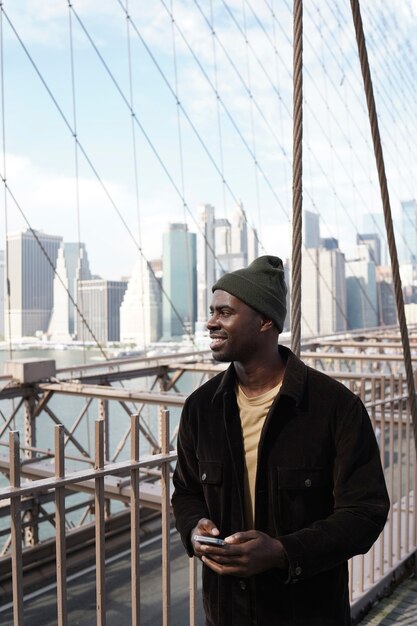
[(261, 286)]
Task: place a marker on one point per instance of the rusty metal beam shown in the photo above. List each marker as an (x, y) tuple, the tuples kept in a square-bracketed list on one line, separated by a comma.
[(110, 393)]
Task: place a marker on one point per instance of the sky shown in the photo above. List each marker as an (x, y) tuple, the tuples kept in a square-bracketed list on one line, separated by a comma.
[(115, 126)]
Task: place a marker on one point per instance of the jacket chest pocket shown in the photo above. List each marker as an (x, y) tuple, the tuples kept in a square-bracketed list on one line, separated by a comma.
[(211, 480), (211, 472), (305, 495)]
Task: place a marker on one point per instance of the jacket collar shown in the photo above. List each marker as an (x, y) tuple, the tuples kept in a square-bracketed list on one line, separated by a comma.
[(293, 384)]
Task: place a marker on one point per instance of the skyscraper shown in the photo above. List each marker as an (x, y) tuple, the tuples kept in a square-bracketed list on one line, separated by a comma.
[(101, 308), (140, 311), (362, 301), (323, 285), (31, 265), (72, 266), (179, 280), (323, 290), (311, 230)]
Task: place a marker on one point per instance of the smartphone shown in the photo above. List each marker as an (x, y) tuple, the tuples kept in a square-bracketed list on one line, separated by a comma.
[(210, 540)]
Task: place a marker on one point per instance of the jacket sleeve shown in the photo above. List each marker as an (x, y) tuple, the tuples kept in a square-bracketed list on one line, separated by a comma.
[(361, 503), (188, 498)]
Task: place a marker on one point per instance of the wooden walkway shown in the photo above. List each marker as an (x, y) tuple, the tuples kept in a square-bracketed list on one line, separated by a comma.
[(398, 608)]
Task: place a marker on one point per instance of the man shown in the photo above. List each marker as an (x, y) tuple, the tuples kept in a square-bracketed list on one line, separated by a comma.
[(281, 461)]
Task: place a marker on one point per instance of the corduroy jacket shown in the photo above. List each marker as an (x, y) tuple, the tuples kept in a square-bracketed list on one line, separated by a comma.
[(320, 489)]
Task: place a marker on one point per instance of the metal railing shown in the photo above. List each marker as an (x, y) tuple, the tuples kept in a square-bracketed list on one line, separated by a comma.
[(386, 400), (61, 481)]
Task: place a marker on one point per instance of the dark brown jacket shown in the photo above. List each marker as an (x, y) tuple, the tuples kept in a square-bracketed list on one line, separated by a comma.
[(319, 488)]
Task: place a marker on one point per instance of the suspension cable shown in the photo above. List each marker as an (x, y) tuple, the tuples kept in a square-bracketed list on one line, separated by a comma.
[(376, 138), (8, 321), (297, 177), (79, 293), (88, 159), (142, 269), (189, 295)]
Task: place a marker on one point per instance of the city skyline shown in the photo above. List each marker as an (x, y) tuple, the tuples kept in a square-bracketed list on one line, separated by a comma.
[(169, 298)]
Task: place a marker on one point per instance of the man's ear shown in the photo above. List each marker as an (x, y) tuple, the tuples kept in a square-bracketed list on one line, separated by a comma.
[(266, 324)]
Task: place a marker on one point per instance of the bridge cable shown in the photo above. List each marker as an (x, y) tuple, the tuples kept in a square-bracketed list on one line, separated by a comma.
[(297, 187), (319, 164), (251, 115), (180, 105), (218, 115), (80, 292), (189, 270), (87, 158), (341, 128), (141, 267), (363, 57), (7, 258)]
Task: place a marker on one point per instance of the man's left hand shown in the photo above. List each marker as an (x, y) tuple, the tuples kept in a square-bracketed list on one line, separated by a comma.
[(247, 553)]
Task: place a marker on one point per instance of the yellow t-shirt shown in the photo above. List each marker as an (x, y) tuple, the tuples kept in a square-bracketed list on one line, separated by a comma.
[(253, 412)]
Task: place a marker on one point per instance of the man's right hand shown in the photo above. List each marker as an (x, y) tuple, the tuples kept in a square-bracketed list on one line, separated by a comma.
[(204, 527)]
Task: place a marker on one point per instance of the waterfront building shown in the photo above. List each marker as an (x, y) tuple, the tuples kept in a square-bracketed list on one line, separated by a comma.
[(31, 263), (2, 293), (179, 281), (141, 308), (323, 289), (72, 266), (361, 288), (101, 300)]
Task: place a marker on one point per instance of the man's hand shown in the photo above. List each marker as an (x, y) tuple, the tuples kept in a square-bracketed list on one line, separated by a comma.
[(246, 554), (204, 527)]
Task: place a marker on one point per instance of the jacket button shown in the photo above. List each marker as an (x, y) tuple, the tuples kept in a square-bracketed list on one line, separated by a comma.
[(203, 476), (298, 571), (307, 482), (242, 584)]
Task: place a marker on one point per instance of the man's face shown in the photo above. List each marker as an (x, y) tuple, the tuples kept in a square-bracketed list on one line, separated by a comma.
[(234, 328)]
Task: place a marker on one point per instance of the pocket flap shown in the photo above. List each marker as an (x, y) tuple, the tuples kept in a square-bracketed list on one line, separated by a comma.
[(302, 478), (210, 472)]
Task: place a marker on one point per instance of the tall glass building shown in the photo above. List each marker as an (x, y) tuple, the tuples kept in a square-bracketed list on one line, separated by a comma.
[(361, 289), (179, 281)]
